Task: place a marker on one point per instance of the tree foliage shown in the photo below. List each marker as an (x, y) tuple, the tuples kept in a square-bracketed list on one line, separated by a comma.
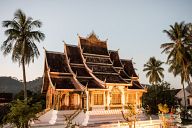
[(21, 112), (35, 97), (154, 70), (20, 41), (179, 52), (164, 95)]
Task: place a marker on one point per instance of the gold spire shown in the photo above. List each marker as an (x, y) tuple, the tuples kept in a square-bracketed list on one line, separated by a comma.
[(92, 37)]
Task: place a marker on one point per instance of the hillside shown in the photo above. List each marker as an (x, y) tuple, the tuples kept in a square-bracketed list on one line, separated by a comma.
[(12, 85)]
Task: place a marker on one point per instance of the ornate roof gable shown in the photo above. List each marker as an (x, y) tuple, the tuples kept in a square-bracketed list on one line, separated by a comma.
[(92, 37)]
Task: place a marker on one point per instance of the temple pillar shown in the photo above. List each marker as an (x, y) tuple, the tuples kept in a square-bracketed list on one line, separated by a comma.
[(123, 99), (81, 97), (59, 100), (136, 97), (128, 98), (139, 100), (108, 100), (104, 99), (67, 100), (91, 99), (55, 101), (87, 102)]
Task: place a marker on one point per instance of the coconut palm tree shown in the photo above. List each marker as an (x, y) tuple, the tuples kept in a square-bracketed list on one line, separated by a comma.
[(154, 70), (179, 52), (20, 41)]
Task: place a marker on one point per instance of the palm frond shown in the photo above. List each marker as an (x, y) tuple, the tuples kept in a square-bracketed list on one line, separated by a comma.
[(21, 37), (154, 70)]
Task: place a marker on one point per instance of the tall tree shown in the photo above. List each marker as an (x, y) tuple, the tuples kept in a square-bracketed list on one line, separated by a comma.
[(154, 70), (164, 94), (20, 41), (179, 52)]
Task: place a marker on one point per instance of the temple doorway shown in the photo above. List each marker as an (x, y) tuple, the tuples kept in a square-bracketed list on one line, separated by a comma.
[(115, 96)]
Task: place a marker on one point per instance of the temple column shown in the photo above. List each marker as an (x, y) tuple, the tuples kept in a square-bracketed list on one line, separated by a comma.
[(136, 97), (104, 99), (50, 103), (108, 100), (128, 98), (67, 100), (80, 100), (57, 101), (123, 99), (87, 102), (139, 100), (91, 99)]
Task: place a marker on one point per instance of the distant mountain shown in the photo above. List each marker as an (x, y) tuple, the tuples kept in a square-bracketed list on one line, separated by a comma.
[(12, 85), (35, 85)]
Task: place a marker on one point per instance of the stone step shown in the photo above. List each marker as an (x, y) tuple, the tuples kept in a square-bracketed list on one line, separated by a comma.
[(53, 118)]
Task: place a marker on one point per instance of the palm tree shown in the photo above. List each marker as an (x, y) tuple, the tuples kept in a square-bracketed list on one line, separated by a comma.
[(154, 70), (20, 41), (178, 51)]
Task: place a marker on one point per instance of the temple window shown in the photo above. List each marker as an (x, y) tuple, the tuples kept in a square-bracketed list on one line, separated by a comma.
[(98, 99), (116, 96), (132, 98), (116, 99), (74, 99)]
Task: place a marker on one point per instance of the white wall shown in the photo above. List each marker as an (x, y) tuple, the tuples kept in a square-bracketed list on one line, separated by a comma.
[(190, 101), (181, 96)]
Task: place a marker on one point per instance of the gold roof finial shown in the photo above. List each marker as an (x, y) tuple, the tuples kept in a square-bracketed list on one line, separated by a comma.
[(93, 37)]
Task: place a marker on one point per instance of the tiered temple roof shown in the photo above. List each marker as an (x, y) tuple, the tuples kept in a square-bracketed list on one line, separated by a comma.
[(92, 45), (57, 72), (125, 69), (79, 69), (57, 62), (118, 65), (88, 65), (128, 67)]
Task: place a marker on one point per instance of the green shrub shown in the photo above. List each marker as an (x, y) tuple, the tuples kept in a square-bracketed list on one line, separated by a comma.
[(21, 112)]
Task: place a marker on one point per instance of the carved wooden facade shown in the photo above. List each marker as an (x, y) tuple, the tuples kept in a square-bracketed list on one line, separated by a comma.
[(89, 76)]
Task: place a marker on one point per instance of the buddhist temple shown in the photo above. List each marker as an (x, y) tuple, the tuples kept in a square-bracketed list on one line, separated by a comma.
[(89, 76)]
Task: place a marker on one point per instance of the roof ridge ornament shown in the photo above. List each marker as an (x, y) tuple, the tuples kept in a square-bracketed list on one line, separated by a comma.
[(82, 50), (86, 86), (64, 42), (105, 80), (92, 37)]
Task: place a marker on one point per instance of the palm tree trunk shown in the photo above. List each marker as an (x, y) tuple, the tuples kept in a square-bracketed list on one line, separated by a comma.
[(24, 80), (156, 95), (184, 99)]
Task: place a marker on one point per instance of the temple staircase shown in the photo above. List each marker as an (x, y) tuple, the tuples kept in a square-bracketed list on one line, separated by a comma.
[(99, 116), (57, 119), (96, 117)]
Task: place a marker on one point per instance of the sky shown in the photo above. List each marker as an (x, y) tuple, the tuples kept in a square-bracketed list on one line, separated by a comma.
[(135, 27)]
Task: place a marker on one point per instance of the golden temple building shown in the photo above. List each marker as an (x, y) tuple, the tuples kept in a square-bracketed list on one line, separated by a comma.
[(89, 76)]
